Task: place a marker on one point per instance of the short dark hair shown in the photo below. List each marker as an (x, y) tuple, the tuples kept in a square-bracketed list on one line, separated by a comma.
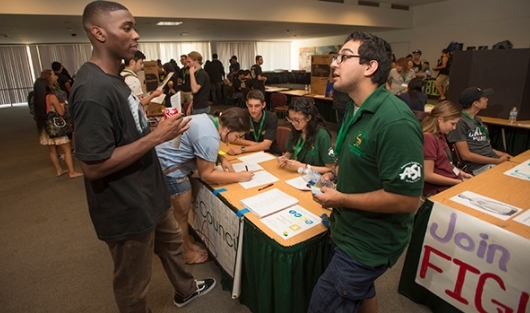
[(138, 55), (256, 94), (215, 56), (257, 57), (234, 57), (184, 56), (377, 49), (98, 8), (56, 66)]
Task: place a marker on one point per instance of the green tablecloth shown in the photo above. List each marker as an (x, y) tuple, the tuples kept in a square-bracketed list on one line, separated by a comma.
[(517, 139), (407, 285)]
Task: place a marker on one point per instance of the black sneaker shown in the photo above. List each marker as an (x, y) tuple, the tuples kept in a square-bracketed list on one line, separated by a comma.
[(203, 287)]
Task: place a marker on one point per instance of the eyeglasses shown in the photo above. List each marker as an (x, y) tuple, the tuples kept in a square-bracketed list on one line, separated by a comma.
[(293, 121), (339, 58)]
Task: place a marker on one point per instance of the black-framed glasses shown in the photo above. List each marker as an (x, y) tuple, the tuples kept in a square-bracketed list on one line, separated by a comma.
[(294, 121), (339, 58)]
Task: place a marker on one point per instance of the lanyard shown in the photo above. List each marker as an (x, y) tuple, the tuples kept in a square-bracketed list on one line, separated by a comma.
[(299, 145), (479, 125), (215, 121), (256, 135), (344, 128), (446, 149), (130, 72)]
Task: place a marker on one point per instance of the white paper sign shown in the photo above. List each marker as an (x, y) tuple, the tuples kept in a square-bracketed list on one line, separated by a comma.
[(291, 221), (487, 205), (474, 265), (521, 171)]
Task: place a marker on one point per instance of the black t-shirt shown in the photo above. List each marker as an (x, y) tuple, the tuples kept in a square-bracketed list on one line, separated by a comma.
[(268, 131), (255, 71), (184, 74), (62, 79), (200, 99), (130, 202)]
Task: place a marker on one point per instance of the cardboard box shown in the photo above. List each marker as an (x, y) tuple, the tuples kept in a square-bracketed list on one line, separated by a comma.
[(154, 109), (320, 73), (151, 75)]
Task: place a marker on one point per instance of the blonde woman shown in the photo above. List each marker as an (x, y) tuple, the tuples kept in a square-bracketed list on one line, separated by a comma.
[(399, 77), (44, 94), (440, 173)]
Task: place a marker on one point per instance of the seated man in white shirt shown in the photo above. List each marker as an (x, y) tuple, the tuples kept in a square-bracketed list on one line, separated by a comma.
[(132, 67)]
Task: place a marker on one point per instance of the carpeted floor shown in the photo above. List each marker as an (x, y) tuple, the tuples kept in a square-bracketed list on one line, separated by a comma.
[(51, 260)]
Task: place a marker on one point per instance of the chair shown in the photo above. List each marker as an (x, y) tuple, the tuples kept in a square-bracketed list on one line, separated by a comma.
[(282, 133), (245, 92), (279, 104), (230, 97), (420, 114), (457, 159)]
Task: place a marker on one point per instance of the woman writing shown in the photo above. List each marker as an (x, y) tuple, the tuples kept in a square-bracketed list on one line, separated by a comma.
[(440, 173), (45, 101), (198, 150), (309, 142)]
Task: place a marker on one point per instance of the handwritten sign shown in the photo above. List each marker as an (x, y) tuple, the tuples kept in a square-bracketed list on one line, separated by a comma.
[(474, 265)]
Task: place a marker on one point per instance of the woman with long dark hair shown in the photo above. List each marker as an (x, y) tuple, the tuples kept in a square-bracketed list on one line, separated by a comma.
[(414, 97), (309, 142), (43, 89)]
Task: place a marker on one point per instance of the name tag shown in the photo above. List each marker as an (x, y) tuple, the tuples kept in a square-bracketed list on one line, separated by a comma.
[(456, 171), (404, 85)]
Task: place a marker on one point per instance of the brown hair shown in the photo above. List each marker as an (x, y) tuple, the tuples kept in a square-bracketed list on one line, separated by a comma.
[(196, 56), (446, 110), (234, 119), (256, 94)]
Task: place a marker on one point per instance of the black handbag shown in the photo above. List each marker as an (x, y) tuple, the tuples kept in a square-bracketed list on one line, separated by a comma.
[(56, 125)]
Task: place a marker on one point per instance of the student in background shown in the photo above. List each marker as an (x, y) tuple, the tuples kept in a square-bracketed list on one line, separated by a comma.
[(399, 77), (130, 75), (414, 97), (263, 125), (200, 85), (439, 171), (309, 142)]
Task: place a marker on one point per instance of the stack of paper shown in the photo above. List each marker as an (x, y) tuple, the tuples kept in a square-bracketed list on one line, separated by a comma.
[(269, 202)]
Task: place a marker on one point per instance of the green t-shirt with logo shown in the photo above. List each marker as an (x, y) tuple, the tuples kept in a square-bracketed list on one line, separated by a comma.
[(319, 153), (383, 149)]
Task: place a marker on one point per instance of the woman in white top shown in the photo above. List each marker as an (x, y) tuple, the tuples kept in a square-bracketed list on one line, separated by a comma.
[(399, 77)]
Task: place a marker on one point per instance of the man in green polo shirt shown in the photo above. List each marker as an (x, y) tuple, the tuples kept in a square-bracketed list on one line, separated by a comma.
[(379, 179)]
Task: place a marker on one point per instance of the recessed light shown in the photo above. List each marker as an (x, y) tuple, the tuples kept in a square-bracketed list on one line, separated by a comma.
[(184, 34), (168, 23)]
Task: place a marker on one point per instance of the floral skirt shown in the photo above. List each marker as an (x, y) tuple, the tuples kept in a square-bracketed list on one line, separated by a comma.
[(45, 140)]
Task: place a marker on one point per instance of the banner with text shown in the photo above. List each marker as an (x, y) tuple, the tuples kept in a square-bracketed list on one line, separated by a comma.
[(217, 225), (474, 265)]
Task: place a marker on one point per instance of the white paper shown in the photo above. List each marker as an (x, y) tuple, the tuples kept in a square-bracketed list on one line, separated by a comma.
[(256, 158), (298, 183), (160, 99), (175, 101), (486, 205), (521, 171), (523, 218), (291, 221), (259, 178), (268, 202), (164, 82), (242, 167)]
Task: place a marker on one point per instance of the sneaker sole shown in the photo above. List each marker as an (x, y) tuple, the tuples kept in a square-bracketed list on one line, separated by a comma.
[(179, 305)]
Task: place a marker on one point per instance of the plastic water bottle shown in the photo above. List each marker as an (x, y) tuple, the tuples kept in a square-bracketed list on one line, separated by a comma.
[(513, 116), (309, 89), (306, 89), (314, 179)]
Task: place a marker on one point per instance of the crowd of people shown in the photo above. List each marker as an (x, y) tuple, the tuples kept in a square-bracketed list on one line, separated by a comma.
[(137, 178)]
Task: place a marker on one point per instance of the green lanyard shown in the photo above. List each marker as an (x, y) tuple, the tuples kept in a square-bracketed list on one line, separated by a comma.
[(344, 128), (215, 121), (446, 149), (129, 72), (256, 135), (479, 125), (299, 145)]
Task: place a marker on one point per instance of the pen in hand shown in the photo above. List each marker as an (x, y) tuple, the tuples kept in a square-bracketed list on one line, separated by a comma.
[(269, 185), (246, 167)]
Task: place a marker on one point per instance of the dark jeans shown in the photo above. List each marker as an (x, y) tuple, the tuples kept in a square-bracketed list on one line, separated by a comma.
[(216, 93)]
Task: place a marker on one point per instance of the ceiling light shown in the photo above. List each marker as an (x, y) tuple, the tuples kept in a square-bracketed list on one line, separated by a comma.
[(184, 34), (168, 23)]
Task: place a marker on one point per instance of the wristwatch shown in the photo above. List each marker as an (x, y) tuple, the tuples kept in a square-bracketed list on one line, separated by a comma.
[(243, 148)]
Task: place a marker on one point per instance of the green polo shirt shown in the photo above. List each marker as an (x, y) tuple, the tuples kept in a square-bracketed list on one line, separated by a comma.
[(382, 150), (319, 153)]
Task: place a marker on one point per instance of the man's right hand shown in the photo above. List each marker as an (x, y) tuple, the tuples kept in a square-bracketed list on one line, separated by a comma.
[(170, 128), (504, 157)]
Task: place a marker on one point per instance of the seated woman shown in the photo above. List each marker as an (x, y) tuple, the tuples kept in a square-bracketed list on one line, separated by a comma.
[(440, 173), (414, 97), (309, 141), (198, 150), (399, 77)]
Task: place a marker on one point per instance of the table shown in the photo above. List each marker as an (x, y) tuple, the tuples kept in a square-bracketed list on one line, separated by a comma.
[(493, 184), (277, 275), (520, 158), (518, 134)]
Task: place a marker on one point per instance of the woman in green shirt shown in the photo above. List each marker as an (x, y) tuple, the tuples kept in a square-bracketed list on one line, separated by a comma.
[(309, 141)]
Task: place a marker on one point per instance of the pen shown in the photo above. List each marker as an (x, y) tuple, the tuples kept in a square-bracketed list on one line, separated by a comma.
[(269, 185), (246, 167)]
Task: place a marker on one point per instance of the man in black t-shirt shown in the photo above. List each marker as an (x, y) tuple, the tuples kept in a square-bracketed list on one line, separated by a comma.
[(216, 72), (127, 195), (183, 78), (262, 135), (257, 74), (200, 85)]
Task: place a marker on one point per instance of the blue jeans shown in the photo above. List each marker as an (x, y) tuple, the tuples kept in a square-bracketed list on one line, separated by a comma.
[(344, 285), (178, 186)]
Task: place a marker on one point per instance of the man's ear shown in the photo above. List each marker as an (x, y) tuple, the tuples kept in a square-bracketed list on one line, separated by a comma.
[(370, 68), (98, 33)]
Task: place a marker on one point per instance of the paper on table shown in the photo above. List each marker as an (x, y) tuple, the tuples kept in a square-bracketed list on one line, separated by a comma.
[(523, 218), (521, 171), (298, 183), (269, 202), (291, 221), (486, 205), (259, 178), (257, 157), (242, 167)]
